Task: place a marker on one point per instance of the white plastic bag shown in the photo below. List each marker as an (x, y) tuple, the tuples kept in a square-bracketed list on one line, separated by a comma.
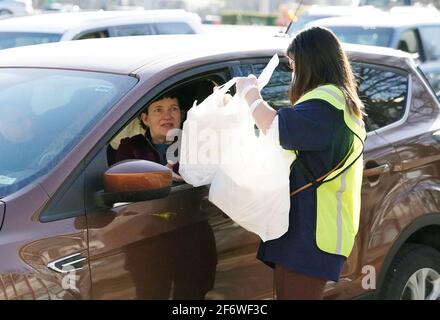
[(200, 153), (210, 127), (249, 175), (255, 194)]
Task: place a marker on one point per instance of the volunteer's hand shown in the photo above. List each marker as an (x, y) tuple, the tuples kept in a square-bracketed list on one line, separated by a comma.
[(246, 82)]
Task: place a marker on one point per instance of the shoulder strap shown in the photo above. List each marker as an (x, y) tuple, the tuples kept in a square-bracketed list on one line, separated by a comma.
[(309, 176)]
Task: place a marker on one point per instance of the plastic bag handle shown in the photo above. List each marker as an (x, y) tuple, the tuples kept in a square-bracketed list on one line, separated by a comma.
[(226, 86), (266, 74)]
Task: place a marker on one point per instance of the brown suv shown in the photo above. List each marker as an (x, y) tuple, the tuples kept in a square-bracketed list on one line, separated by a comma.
[(74, 227)]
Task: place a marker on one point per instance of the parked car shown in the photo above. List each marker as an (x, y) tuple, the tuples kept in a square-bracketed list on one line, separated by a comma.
[(53, 27), (67, 211), (416, 34), (317, 12), (11, 8)]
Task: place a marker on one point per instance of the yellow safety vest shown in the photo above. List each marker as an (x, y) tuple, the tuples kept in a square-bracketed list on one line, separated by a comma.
[(339, 194)]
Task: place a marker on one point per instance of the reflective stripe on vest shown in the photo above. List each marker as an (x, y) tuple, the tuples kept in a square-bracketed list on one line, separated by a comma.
[(339, 195)]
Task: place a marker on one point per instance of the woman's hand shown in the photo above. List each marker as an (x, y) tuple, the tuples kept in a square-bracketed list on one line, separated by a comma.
[(247, 88), (245, 83), (177, 178)]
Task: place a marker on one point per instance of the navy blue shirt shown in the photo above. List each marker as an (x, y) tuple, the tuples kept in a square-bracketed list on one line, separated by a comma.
[(317, 130)]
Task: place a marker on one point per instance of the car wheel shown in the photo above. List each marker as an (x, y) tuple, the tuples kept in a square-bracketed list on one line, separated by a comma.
[(413, 275)]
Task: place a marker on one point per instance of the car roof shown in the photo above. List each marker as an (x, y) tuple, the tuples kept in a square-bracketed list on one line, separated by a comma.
[(61, 22), (380, 19), (133, 55)]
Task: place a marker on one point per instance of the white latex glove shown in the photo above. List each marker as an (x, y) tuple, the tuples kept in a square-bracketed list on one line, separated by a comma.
[(245, 82)]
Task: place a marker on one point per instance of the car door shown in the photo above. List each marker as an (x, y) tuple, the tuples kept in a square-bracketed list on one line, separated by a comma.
[(177, 247)]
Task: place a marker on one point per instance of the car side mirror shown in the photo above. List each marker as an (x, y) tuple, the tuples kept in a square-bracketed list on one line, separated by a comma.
[(135, 180)]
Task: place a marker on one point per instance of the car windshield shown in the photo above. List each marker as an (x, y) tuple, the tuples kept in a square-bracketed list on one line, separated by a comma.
[(300, 23), (19, 39), (44, 113), (380, 37)]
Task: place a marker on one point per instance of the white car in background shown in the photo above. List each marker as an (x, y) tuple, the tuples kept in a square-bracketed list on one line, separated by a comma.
[(316, 12), (54, 27), (10, 8)]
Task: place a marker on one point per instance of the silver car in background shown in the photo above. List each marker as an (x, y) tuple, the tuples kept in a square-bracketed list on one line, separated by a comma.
[(54, 27)]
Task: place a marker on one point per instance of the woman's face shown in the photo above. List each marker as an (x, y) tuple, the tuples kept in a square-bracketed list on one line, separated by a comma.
[(163, 115)]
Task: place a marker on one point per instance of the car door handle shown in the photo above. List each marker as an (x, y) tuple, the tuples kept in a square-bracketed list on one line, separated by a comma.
[(376, 171), (67, 264)]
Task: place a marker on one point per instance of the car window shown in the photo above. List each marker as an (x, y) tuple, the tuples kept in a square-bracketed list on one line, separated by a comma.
[(45, 113), (196, 89), (19, 39), (366, 36), (276, 91), (94, 35), (432, 77), (431, 41), (132, 30), (384, 93), (409, 42), (173, 28)]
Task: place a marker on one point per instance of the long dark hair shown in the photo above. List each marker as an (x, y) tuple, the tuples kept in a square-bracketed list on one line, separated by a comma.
[(319, 59)]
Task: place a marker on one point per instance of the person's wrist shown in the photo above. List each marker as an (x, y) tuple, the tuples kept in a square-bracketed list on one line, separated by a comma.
[(252, 96), (254, 105)]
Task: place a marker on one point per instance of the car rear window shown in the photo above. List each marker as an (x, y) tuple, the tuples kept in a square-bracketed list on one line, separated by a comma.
[(44, 113), (384, 93), (19, 39)]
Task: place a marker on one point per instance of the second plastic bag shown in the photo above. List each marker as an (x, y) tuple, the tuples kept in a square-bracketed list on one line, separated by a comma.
[(255, 193)]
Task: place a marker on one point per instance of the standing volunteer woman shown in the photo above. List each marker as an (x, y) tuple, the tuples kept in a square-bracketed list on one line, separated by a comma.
[(324, 128)]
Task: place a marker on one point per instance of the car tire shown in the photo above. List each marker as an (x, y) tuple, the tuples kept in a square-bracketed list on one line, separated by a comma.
[(413, 275)]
